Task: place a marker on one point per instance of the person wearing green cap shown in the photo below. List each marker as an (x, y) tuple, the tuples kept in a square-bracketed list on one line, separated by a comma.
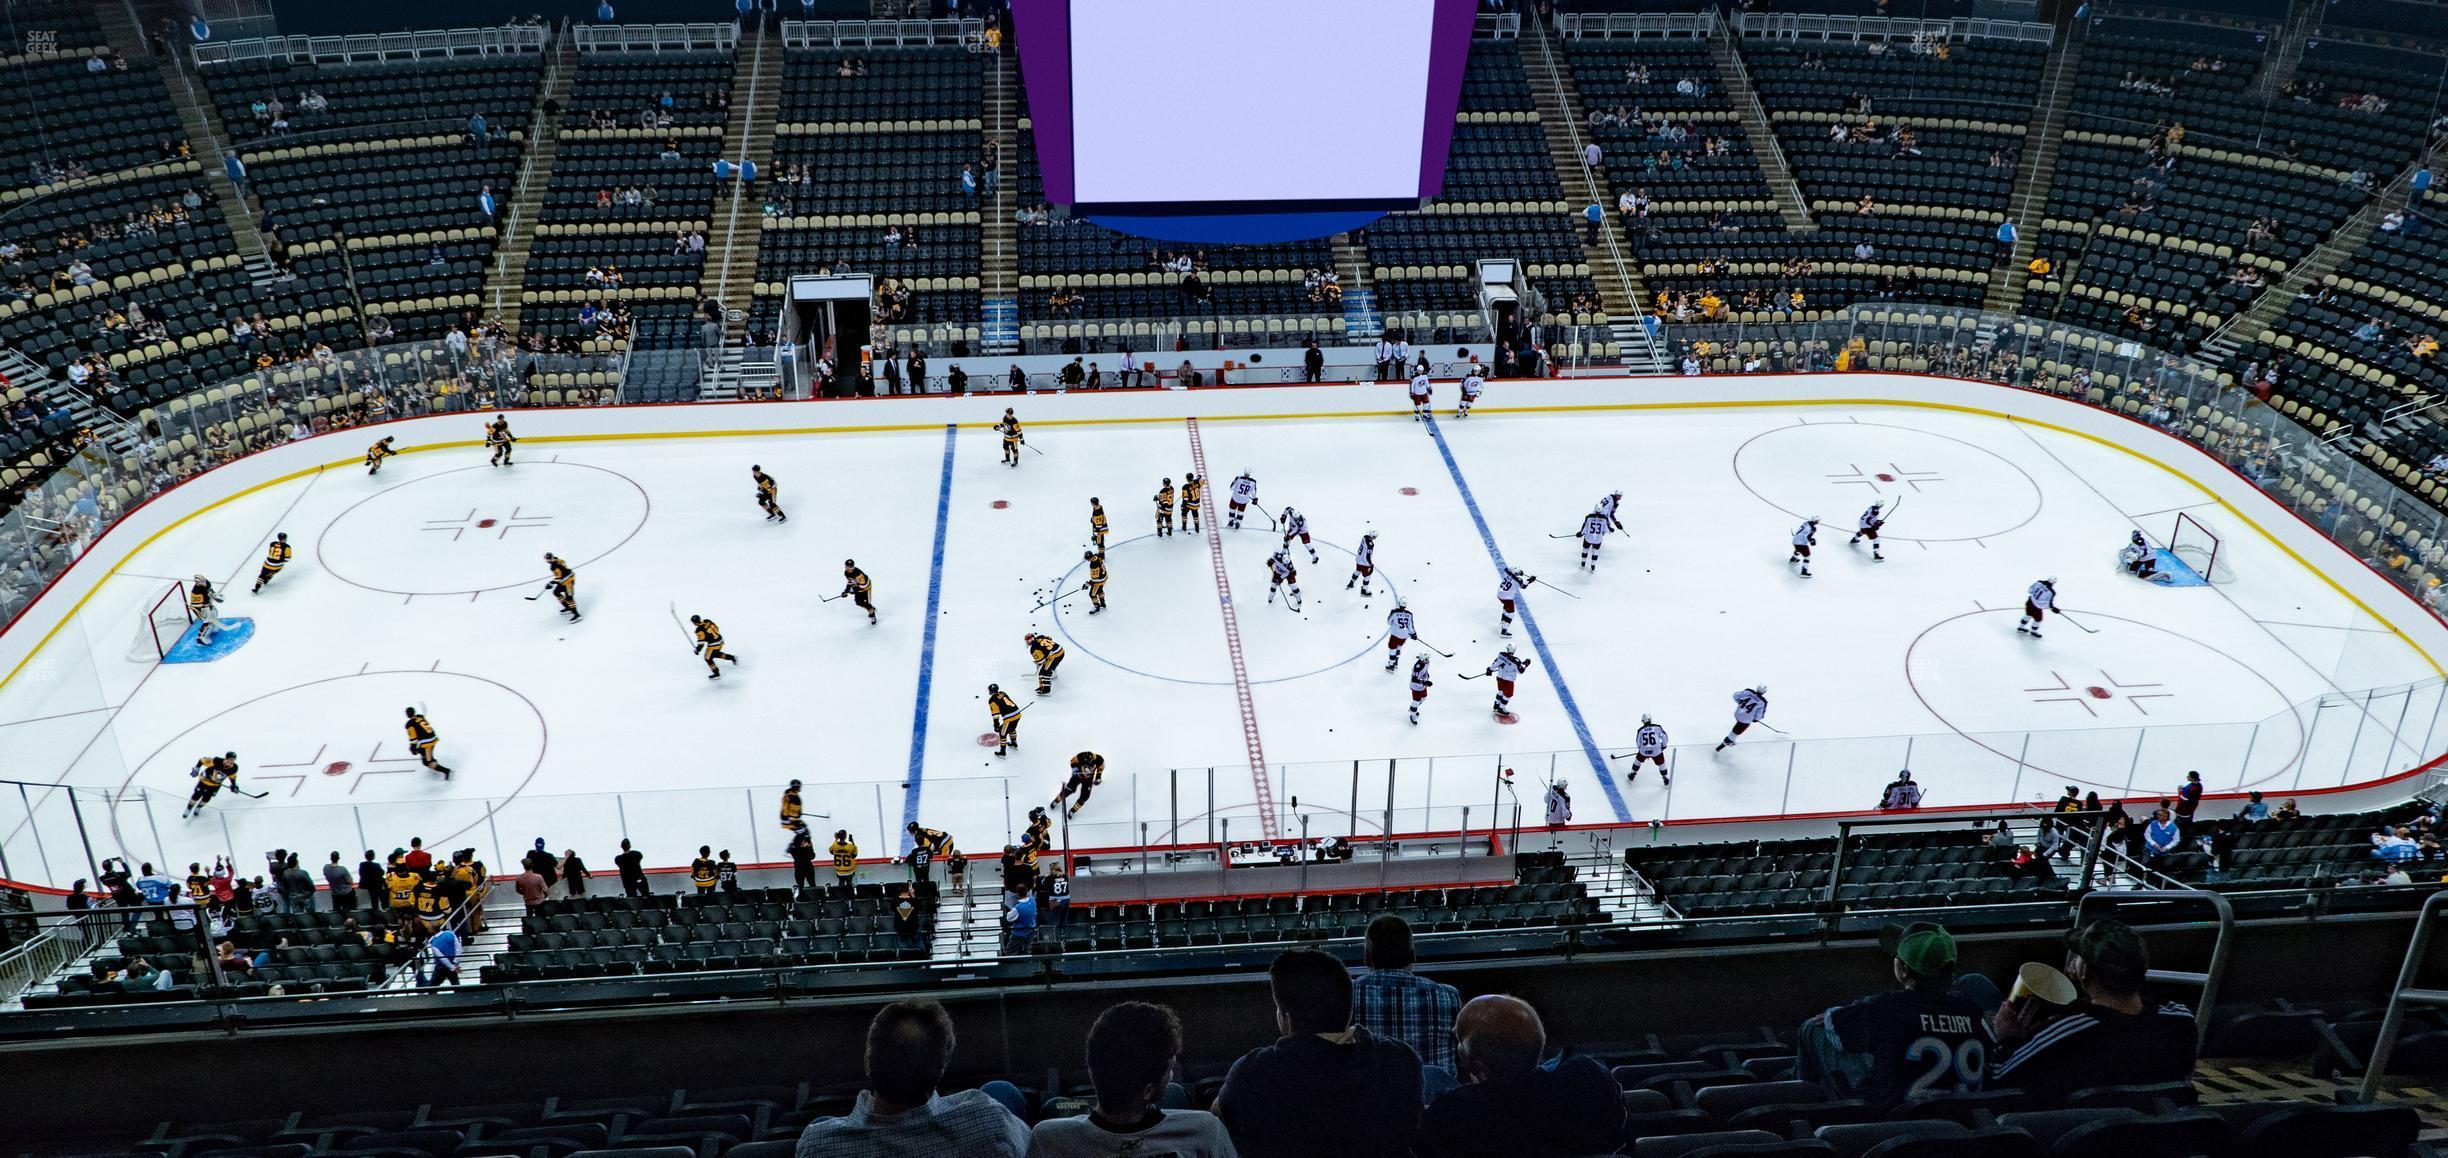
[(1919, 1039), (2114, 1037)]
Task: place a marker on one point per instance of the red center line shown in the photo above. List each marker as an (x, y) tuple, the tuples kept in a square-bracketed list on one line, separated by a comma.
[(1232, 636)]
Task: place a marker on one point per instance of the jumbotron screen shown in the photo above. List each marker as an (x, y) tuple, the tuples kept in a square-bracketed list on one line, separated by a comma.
[(1158, 107)]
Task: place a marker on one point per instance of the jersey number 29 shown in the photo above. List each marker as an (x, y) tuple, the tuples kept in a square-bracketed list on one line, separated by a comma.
[(1958, 1067)]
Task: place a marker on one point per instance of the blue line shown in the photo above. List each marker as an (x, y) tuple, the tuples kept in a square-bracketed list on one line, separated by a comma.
[(926, 649), (1538, 641)]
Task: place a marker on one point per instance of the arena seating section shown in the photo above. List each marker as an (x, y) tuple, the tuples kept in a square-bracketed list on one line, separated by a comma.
[(609, 936)]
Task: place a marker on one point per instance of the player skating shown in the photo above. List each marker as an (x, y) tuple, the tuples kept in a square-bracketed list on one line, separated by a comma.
[(1472, 384), (1506, 667), (1047, 655), (1805, 537), (421, 741), (1096, 580), (1509, 587), (499, 438), (2037, 603), (1087, 771), (1868, 528), (1608, 506), (709, 644), (1193, 489), (1420, 683), (376, 453), (1244, 492), (1296, 526), (2140, 560), (1422, 389), (1594, 528), (276, 557), (769, 495), (1009, 428), (859, 588), (212, 773), (1649, 744), (563, 585), (1005, 712), (1750, 707), (1164, 510), (1559, 804), (1283, 576), (1098, 526), (1364, 564), (204, 606)]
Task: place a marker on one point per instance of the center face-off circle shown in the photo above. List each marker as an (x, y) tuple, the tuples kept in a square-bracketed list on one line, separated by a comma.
[(1157, 584), (1952, 490), (481, 528)]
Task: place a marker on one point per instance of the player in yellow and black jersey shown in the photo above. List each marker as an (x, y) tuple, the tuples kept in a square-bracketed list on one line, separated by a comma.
[(859, 588), (1097, 526), (563, 584), (1009, 428), (702, 872), (710, 644), (1193, 489), (792, 808), (1087, 771), (276, 557), (498, 437), (212, 773), (432, 909), (845, 859), (1096, 580), (769, 495), (421, 740), (1164, 509), (400, 886), (376, 453), (1047, 655), (1006, 714), (1040, 834)]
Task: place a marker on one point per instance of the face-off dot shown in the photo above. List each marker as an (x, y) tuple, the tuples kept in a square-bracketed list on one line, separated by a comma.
[(486, 522), (1001, 504), (1410, 490), (337, 768), (2097, 693)]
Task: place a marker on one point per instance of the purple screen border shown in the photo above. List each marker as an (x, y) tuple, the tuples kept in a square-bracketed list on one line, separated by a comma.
[(1042, 30)]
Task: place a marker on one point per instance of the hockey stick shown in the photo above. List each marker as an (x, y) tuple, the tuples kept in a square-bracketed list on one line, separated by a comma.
[(1558, 590), (2061, 614), (540, 592), (684, 631), (247, 794), (830, 598), (1772, 727), (1432, 647), (1050, 600), (1470, 677)]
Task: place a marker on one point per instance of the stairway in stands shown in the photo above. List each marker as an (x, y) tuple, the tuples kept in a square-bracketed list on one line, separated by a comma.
[(998, 236), (202, 124), (2324, 260), (756, 104), (2286, 51), (120, 435), (518, 222), (1723, 45), (2038, 170), (1620, 288), (1362, 322)]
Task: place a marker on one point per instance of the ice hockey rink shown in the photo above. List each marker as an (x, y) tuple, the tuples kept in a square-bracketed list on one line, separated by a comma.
[(2292, 673)]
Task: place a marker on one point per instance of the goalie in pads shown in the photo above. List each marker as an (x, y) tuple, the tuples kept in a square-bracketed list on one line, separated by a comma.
[(2140, 560)]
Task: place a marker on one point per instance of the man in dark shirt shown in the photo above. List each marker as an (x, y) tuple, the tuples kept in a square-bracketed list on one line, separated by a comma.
[(370, 881), (2115, 1037), (1507, 1104), (632, 866), (1921, 1039), (1328, 1087)]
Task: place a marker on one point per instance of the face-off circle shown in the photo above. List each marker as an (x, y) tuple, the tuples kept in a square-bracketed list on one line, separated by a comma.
[(1952, 490), (477, 529), (2134, 700)]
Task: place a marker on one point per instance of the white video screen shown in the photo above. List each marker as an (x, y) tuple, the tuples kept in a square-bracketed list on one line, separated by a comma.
[(1248, 100)]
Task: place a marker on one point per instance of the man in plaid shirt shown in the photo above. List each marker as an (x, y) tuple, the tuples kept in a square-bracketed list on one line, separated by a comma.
[(1391, 1001)]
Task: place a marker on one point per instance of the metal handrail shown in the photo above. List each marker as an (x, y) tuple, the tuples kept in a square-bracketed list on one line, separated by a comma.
[(2403, 994), (2208, 979)]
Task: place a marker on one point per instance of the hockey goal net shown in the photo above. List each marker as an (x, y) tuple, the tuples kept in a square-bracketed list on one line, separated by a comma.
[(165, 620), (2198, 547)]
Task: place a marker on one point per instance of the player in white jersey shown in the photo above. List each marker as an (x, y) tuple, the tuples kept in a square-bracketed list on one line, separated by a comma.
[(1420, 684), (1750, 707), (1559, 804), (1296, 526), (2037, 603), (1284, 577), (1649, 744), (1399, 631), (1868, 528), (2139, 559), (1804, 538), (1607, 507), (1594, 528), (1364, 565), (1421, 387), (1472, 385), (1244, 492), (1506, 667), (1508, 589)]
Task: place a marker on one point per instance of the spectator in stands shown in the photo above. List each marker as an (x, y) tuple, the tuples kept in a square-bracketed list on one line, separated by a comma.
[(631, 864), (484, 202), (443, 949), (909, 1044), (1394, 1003), (1132, 1049), (906, 914), (2115, 1037), (2160, 837), (1889, 1046), (1327, 1086), (530, 886), (297, 886), (969, 181), (574, 873), (343, 886), (1594, 216), (2188, 801), (2255, 809), (1901, 792), (1508, 1104)]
